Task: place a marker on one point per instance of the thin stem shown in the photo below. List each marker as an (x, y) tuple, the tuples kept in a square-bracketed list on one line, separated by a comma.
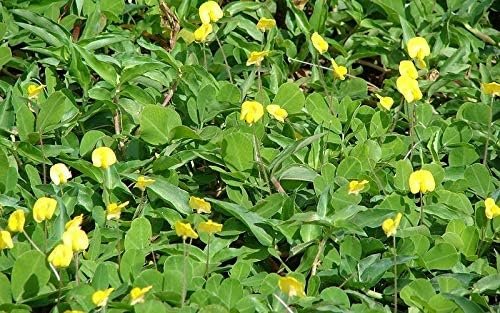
[(287, 308), (139, 210), (208, 255), (77, 265), (228, 69), (204, 55), (45, 235), (490, 121), (44, 166), (38, 249), (259, 79), (258, 158), (395, 275), (317, 261), (184, 266), (421, 220), (325, 87)]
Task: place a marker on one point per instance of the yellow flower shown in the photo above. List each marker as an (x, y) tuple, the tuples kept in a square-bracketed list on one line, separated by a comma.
[(100, 297), (34, 90), (61, 256), (266, 24), (407, 68), (73, 311), (421, 181), (209, 227), (277, 112), (339, 71), (103, 157), (319, 43), (390, 226), (408, 87), (256, 57), (418, 49), (43, 209), (385, 102), (59, 174), (184, 230), (291, 286), (492, 210), (75, 223), (5, 240), (143, 182), (16, 221), (202, 32), (356, 186), (76, 239), (251, 111), (114, 210), (210, 11), (137, 294), (492, 89), (200, 205)]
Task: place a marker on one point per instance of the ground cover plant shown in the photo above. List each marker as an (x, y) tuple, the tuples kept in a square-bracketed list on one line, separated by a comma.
[(247, 156)]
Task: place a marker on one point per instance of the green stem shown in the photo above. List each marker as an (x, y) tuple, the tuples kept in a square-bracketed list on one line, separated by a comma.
[(184, 281), (77, 265), (421, 219), (228, 69), (208, 255), (258, 158), (490, 121), (395, 275), (58, 277)]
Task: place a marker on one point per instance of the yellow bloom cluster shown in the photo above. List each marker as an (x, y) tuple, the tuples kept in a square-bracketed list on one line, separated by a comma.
[(209, 11), (407, 83), (74, 240), (253, 111)]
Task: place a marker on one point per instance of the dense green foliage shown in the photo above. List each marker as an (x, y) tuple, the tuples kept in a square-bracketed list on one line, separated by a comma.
[(130, 76)]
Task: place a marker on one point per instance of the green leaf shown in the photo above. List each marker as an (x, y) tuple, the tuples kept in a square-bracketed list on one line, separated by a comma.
[(442, 256), (29, 275), (290, 98), (52, 111), (393, 8), (349, 168), (250, 219), (177, 197), (5, 292), (89, 141), (230, 292), (478, 179), (156, 122), (103, 69), (139, 235), (237, 151), (5, 55), (417, 293)]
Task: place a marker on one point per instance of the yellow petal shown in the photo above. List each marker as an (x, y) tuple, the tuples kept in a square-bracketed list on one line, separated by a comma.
[(409, 88), (34, 90), (43, 209), (5, 240), (385, 102), (277, 112), (421, 181), (59, 174), (200, 205), (256, 57), (61, 256), (319, 43), (251, 111), (76, 239), (210, 11), (202, 32), (266, 24), (291, 286), (418, 48), (137, 294), (209, 227), (492, 89), (491, 209), (16, 221), (355, 187), (184, 230), (100, 297), (407, 68), (76, 222), (339, 71), (143, 182)]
